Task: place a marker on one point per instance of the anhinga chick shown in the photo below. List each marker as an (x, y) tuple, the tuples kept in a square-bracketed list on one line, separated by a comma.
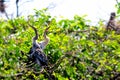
[(36, 52), (111, 25)]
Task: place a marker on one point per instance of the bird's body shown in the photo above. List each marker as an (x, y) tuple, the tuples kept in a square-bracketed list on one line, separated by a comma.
[(39, 57)]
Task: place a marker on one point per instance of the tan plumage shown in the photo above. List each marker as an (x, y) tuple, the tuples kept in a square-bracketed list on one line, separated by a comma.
[(112, 24)]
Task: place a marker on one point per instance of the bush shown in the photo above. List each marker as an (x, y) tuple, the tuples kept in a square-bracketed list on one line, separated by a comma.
[(76, 50)]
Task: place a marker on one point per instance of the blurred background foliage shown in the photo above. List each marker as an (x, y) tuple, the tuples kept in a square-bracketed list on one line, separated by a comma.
[(76, 50)]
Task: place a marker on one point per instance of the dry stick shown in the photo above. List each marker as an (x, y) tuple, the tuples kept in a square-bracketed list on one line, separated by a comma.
[(30, 64), (59, 61)]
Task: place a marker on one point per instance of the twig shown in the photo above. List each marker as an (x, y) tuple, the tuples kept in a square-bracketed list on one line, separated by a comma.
[(6, 15)]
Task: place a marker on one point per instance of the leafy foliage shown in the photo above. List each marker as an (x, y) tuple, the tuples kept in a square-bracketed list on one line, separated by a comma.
[(76, 50)]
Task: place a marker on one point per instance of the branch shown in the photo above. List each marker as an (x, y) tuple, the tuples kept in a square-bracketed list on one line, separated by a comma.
[(17, 8), (6, 15)]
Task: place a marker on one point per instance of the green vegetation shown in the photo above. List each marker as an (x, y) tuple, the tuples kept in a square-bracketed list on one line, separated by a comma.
[(76, 50)]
